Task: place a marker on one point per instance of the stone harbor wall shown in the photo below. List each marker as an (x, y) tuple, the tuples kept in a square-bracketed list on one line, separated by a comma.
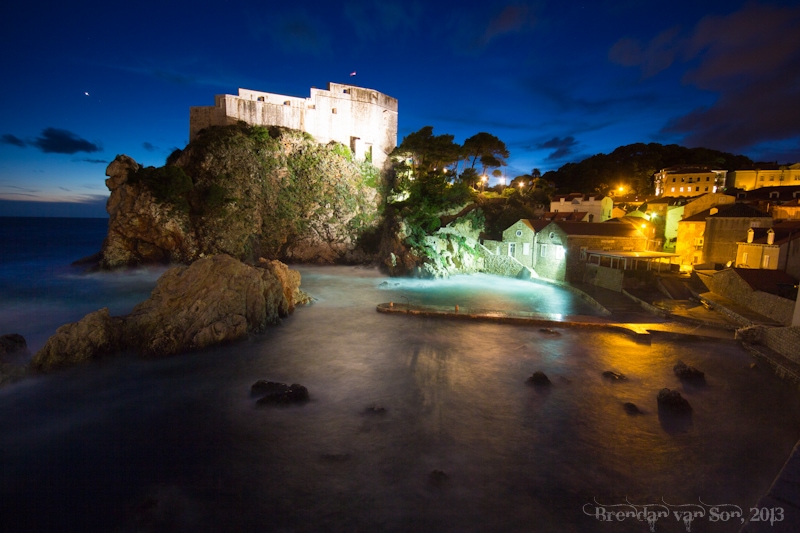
[(785, 341)]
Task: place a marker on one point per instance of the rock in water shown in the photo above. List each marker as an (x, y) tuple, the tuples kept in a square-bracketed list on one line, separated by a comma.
[(688, 373), (672, 401), (614, 376), (539, 379), (293, 394), (96, 335), (12, 343), (263, 387), (631, 408), (214, 300)]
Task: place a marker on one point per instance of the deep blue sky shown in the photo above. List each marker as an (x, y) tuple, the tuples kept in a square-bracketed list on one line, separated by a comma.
[(557, 81)]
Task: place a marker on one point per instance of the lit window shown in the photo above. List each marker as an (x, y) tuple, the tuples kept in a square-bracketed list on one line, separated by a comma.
[(512, 249), (559, 252), (766, 262), (526, 248)]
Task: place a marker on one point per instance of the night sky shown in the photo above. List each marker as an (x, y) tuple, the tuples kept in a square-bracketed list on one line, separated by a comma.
[(557, 81)]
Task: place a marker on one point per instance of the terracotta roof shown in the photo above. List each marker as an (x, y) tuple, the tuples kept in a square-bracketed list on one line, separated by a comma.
[(535, 224), (737, 210), (575, 216), (771, 281), (784, 193)]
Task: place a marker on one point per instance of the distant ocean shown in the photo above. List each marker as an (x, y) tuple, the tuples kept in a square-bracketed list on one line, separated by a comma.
[(39, 288)]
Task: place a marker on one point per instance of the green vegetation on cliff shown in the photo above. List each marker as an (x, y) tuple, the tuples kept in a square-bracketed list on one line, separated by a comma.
[(248, 192)]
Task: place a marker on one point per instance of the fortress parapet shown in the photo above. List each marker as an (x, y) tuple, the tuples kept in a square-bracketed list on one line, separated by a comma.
[(362, 119)]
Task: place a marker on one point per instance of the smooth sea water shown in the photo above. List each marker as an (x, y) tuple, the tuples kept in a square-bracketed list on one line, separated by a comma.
[(463, 444)]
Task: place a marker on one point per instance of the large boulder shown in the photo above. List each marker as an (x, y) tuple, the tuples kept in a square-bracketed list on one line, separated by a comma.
[(96, 335), (689, 373), (214, 300)]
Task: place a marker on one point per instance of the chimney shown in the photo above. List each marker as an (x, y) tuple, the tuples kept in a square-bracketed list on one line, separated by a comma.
[(750, 233), (771, 236)]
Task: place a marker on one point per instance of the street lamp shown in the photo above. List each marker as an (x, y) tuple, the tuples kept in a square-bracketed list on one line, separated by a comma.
[(484, 179)]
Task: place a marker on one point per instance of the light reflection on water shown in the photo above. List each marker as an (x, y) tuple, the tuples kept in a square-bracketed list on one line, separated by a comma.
[(179, 445)]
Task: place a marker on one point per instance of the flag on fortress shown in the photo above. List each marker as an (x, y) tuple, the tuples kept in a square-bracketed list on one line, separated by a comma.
[(353, 73)]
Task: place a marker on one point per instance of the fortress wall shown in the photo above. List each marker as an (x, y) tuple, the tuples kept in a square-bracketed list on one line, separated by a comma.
[(362, 119)]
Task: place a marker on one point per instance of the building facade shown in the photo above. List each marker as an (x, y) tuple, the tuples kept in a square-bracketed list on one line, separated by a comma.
[(689, 180), (597, 206), (561, 247), (362, 119), (756, 178)]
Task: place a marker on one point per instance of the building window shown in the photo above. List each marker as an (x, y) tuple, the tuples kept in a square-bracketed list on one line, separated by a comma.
[(744, 257), (333, 110), (706, 189), (765, 262), (287, 102), (518, 233), (526, 248), (512, 249), (672, 189), (559, 252), (697, 189), (543, 250), (346, 91), (260, 99)]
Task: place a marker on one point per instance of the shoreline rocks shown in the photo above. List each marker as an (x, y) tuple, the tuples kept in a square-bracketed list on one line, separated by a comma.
[(214, 300)]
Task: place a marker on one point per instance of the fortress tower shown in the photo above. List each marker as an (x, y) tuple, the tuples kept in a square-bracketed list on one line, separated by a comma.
[(363, 119)]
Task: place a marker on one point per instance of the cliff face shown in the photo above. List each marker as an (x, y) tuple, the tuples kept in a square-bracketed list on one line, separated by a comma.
[(244, 191)]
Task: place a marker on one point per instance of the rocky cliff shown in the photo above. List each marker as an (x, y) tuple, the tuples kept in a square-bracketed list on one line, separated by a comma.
[(244, 191)]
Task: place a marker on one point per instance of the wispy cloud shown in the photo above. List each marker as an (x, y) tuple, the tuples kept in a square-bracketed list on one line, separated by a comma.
[(754, 72), (562, 147), (13, 140), (511, 19)]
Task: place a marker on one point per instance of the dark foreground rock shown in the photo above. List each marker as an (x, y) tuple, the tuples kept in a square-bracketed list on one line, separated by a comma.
[(688, 373), (631, 408), (212, 301), (262, 387), (672, 401), (539, 379), (292, 394), (12, 343)]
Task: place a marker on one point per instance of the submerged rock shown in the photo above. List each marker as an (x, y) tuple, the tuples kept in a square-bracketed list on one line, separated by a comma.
[(688, 373), (263, 386), (293, 394), (672, 401), (437, 478), (12, 343), (539, 379), (375, 409), (631, 408), (96, 335), (549, 331), (614, 376)]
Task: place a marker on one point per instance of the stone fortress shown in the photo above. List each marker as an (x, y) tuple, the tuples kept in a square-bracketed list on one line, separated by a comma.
[(362, 119)]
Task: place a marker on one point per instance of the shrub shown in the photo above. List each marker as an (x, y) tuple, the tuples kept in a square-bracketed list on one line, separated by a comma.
[(168, 184)]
